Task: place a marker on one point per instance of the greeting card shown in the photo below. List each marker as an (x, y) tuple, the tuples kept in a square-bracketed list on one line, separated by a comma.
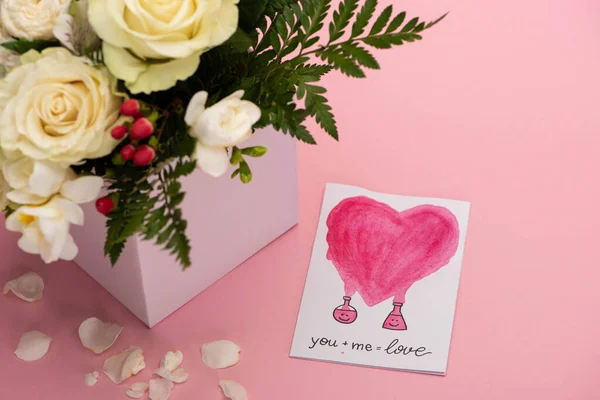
[(383, 280)]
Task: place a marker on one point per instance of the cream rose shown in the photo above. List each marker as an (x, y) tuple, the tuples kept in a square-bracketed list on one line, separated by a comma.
[(225, 124), (57, 107), (30, 19), (150, 44)]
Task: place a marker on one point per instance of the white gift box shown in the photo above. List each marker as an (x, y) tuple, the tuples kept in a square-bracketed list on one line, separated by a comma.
[(228, 222)]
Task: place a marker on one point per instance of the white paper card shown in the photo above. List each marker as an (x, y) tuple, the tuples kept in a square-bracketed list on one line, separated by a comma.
[(383, 280)]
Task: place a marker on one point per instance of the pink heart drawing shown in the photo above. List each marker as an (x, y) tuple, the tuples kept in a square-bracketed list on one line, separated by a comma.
[(380, 252)]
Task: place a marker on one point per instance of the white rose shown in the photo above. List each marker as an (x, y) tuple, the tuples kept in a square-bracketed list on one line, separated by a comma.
[(152, 44), (33, 181), (225, 124), (45, 228), (57, 107), (30, 19)]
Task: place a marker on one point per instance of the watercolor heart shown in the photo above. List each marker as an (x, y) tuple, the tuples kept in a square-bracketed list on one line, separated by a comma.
[(380, 252)]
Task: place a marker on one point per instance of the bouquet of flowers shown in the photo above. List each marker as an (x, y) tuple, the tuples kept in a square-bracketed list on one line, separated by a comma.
[(126, 97)]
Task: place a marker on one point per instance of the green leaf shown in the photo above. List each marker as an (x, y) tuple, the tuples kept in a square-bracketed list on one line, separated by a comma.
[(249, 13), (382, 21), (341, 19), (361, 55), (396, 22), (240, 41), (363, 17), (275, 41), (303, 135), (410, 25), (235, 173), (432, 23), (317, 106), (22, 46), (115, 252), (345, 64), (378, 42)]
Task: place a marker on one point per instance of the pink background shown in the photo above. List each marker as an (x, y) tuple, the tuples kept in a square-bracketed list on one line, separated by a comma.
[(498, 105)]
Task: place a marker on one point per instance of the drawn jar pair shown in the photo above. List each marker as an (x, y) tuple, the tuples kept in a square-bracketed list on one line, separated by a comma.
[(346, 314)]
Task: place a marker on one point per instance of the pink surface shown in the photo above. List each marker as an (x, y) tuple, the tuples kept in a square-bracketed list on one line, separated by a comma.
[(380, 252), (498, 106)]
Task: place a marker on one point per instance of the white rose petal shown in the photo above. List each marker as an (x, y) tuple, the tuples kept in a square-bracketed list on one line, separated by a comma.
[(33, 346), (98, 336), (172, 360), (29, 19), (28, 287), (124, 365), (176, 376), (160, 389), (221, 354), (58, 107), (233, 390), (91, 379), (137, 390)]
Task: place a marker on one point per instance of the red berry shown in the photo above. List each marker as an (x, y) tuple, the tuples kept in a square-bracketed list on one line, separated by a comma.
[(141, 129), (130, 108), (127, 152), (118, 132), (144, 156), (105, 205)]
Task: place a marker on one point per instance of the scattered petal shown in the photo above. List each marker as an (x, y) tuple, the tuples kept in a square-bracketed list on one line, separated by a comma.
[(172, 360), (91, 379), (233, 390), (176, 376), (29, 287), (221, 354), (125, 364), (137, 390), (160, 389), (33, 346), (98, 336)]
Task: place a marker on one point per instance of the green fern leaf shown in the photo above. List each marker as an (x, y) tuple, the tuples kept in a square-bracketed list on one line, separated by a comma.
[(363, 17), (396, 22)]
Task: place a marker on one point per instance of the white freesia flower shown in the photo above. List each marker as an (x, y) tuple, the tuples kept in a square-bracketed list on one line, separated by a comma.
[(4, 189), (152, 44), (30, 19), (33, 181), (57, 107), (72, 28), (45, 228), (8, 58), (225, 124)]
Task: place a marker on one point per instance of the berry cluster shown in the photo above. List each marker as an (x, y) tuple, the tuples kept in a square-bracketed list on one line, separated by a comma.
[(141, 129), (142, 154)]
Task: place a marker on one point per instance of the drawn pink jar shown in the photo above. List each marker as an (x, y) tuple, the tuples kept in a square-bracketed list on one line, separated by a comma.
[(345, 314)]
